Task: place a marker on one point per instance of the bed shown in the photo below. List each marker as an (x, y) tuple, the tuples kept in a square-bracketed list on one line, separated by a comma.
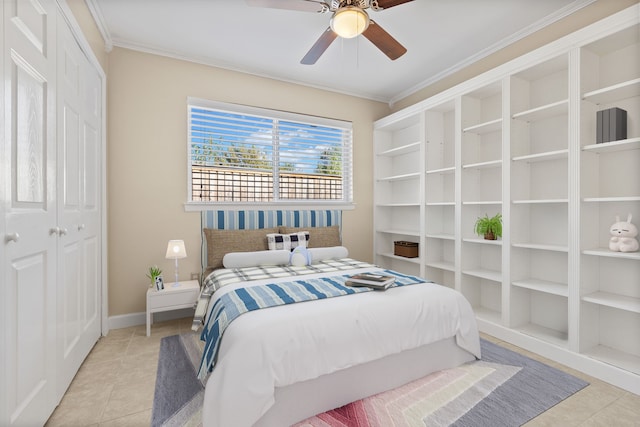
[(280, 365)]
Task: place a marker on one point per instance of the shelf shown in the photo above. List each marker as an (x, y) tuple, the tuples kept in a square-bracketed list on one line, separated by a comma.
[(609, 147), (539, 201), (560, 289), (543, 112), (442, 265), (483, 202), (441, 236), (612, 199), (605, 252), (483, 241), (401, 177), (402, 232), (613, 93), (614, 357), (608, 299), (492, 275), (546, 334), (483, 165), (488, 315), (543, 157), (440, 204), (486, 127), (401, 258), (442, 171), (542, 247), (398, 205), (398, 151)]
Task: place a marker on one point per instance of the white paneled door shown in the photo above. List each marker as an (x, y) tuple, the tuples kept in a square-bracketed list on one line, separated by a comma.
[(78, 131), (31, 234), (50, 199)]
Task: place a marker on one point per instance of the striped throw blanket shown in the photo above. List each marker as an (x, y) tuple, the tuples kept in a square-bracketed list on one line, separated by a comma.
[(227, 276), (243, 300)]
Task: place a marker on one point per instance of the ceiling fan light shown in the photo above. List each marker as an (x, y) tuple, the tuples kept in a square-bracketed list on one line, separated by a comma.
[(349, 22)]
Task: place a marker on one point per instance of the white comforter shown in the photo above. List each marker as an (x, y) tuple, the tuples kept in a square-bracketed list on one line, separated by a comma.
[(280, 346)]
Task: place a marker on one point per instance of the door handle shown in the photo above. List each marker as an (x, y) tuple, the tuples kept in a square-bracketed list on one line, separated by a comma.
[(60, 231), (80, 227), (12, 237)]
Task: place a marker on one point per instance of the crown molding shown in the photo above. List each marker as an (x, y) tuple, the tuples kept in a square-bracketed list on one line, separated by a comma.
[(96, 12)]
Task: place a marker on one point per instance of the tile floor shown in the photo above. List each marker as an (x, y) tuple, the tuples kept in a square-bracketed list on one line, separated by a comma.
[(115, 386)]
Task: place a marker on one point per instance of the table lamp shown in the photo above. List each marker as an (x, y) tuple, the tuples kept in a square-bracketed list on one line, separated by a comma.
[(176, 250)]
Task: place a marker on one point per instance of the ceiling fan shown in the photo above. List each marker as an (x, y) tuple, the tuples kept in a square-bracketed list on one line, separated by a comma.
[(350, 19)]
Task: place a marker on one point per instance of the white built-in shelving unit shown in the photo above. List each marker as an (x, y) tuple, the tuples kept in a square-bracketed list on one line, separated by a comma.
[(539, 219), (440, 206), (398, 169), (481, 166), (610, 185), (520, 140)]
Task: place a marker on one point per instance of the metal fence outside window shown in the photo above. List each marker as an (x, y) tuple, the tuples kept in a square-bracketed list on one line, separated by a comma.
[(214, 184)]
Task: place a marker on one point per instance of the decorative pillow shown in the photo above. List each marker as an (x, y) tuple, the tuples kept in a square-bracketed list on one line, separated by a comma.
[(255, 259), (335, 252), (221, 242), (319, 237), (291, 241), (300, 256)]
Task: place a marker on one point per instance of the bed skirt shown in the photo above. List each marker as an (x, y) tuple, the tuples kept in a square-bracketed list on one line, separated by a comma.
[(302, 400)]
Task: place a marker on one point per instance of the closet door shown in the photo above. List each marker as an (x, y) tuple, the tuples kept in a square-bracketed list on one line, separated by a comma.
[(78, 167), (28, 289)]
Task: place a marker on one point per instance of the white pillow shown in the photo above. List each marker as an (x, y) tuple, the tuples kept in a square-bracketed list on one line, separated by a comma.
[(255, 259), (332, 252)]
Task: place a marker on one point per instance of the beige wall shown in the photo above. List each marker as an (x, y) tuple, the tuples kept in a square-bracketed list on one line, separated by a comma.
[(147, 131), (147, 172)]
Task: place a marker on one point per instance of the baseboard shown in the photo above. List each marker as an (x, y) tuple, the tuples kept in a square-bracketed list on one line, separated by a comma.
[(136, 319), (604, 371)]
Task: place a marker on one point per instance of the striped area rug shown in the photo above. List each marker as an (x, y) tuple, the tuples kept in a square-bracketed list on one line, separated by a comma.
[(436, 400), (503, 389)]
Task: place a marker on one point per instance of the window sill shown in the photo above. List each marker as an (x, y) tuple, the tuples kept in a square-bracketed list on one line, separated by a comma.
[(240, 206)]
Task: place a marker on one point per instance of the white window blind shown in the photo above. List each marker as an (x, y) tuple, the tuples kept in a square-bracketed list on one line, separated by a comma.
[(240, 154)]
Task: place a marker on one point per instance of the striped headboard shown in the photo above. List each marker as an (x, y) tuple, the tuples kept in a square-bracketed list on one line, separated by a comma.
[(253, 220)]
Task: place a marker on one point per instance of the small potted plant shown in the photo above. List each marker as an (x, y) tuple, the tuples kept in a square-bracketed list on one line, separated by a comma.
[(155, 275), (490, 228)]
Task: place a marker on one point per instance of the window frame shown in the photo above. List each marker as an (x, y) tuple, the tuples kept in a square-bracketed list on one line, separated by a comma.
[(346, 203)]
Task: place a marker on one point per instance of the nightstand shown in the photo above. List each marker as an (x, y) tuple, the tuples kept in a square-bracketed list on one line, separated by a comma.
[(171, 298)]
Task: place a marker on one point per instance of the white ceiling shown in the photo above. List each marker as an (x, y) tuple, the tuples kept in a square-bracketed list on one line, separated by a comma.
[(441, 36)]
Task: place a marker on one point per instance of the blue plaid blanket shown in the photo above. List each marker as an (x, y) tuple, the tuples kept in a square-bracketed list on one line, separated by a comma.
[(243, 300)]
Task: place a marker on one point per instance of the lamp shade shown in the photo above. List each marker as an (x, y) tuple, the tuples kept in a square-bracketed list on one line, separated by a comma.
[(176, 250), (349, 22)]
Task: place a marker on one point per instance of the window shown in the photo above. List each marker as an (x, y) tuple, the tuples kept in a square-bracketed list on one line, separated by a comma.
[(241, 155)]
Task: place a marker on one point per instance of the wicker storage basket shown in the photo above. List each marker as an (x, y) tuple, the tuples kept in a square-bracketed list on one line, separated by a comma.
[(405, 249)]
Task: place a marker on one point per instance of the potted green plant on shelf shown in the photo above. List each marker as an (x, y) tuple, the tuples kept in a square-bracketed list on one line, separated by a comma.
[(490, 228), (154, 273)]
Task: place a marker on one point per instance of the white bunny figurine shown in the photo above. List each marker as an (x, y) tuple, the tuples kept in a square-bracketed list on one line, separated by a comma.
[(624, 236)]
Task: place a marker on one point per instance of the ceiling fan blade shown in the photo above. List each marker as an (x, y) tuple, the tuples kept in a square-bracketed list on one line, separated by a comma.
[(386, 4), (384, 41), (300, 5), (319, 47)]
